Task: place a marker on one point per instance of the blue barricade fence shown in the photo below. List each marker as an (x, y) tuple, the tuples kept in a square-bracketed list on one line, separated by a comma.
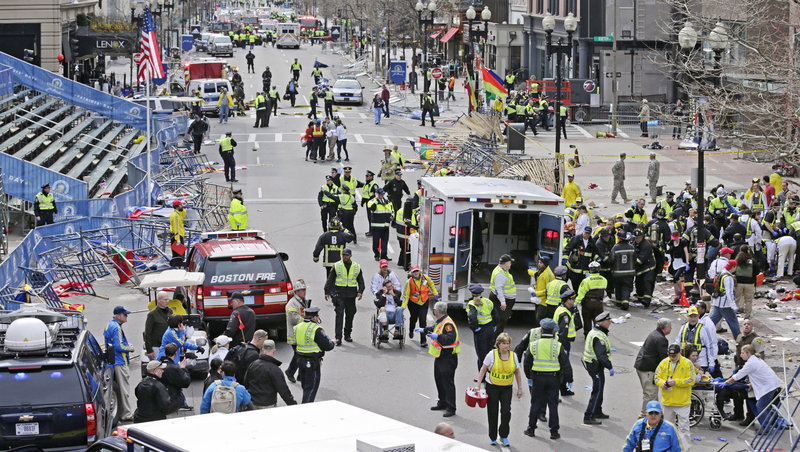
[(24, 180)]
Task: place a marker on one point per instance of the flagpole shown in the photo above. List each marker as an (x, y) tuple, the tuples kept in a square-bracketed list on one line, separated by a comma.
[(149, 141)]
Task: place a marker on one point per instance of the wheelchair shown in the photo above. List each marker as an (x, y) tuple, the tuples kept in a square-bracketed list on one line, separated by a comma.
[(704, 393), (391, 329)]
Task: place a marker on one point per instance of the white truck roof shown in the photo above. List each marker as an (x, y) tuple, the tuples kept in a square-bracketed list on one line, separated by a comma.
[(312, 427), (486, 187), (172, 278)]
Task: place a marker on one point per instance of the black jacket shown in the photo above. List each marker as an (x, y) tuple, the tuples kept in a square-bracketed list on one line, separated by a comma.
[(585, 254), (197, 127), (154, 327), (604, 252), (733, 228), (563, 361), (380, 300), (472, 318), (395, 188), (152, 400), (645, 260), (264, 381), (344, 292), (248, 318), (211, 378), (335, 240), (653, 351), (447, 337), (600, 352), (175, 379), (245, 358)]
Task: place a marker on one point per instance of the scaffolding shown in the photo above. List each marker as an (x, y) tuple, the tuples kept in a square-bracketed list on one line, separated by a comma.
[(3, 216)]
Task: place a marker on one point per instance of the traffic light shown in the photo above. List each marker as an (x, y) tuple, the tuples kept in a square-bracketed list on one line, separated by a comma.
[(73, 47), (28, 55)]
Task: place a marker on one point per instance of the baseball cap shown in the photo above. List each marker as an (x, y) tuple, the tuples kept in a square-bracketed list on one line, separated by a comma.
[(505, 258), (725, 250), (152, 366), (692, 311), (236, 296), (347, 252), (674, 349), (120, 310), (384, 263), (414, 268), (730, 265), (222, 340), (587, 229), (653, 407)]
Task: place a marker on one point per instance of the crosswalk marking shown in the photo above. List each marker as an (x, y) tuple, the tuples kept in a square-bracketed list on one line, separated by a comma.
[(388, 141), (251, 138), (362, 115), (278, 137), (359, 138)]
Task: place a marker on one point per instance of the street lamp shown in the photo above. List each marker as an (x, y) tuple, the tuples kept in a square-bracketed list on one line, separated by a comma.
[(718, 40), (427, 21), (549, 25)]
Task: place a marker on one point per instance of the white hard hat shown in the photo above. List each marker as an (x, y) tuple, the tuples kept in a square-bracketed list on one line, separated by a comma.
[(720, 191)]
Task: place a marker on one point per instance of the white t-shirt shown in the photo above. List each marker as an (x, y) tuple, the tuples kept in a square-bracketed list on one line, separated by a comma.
[(489, 362)]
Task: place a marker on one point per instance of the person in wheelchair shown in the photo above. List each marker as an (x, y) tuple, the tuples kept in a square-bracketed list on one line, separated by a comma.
[(390, 311)]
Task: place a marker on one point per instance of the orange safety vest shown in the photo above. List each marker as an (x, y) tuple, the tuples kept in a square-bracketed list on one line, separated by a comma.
[(317, 131), (418, 295)]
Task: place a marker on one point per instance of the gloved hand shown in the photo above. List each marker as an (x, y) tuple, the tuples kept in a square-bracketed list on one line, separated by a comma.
[(433, 336), (316, 259), (436, 297), (477, 329), (419, 330), (633, 204), (569, 386), (785, 230), (687, 267), (530, 382), (774, 234), (494, 329), (200, 350), (611, 372), (735, 309), (531, 290), (711, 368)]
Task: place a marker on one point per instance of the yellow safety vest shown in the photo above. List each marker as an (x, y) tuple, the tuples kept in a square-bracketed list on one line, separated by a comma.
[(510, 79), (435, 348), (295, 66), (316, 73), (559, 312), (304, 335), (317, 131), (226, 144), (588, 349), (252, 39), (545, 355), (345, 278), (261, 103), (509, 288), (347, 202), (331, 191), (696, 342), (533, 335), (46, 202), (484, 310), (502, 372), (562, 111), (237, 216), (554, 292), (379, 210)]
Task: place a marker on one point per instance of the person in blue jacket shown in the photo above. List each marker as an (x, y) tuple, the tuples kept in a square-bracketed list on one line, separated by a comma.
[(175, 334), (228, 370), (115, 338), (653, 433)]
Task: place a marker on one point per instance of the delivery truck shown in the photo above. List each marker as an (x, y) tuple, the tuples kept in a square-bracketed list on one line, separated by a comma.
[(467, 223)]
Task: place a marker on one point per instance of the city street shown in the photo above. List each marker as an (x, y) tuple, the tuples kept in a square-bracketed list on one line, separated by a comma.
[(280, 191)]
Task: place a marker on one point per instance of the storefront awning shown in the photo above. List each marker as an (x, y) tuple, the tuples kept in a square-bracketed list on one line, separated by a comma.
[(450, 33), (436, 33)]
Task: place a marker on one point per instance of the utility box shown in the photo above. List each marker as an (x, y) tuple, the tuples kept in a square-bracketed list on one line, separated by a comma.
[(516, 137)]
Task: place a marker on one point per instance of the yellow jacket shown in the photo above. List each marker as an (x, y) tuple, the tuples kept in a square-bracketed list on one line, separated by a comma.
[(228, 96), (425, 284), (776, 181), (570, 193), (540, 286), (684, 376), (176, 224)]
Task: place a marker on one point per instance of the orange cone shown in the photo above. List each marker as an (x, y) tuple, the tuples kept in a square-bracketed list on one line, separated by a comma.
[(684, 301)]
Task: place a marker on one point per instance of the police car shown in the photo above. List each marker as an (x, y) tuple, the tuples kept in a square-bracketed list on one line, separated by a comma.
[(239, 261), (347, 90)]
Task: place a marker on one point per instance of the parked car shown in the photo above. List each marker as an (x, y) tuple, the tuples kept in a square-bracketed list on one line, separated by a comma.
[(347, 90), (201, 44), (220, 45)]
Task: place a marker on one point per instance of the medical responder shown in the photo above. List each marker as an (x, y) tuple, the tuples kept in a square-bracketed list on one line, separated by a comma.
[(237, 214), (481, 317), (327, 200), (549, 364), (444, 347), (590, 296), (176, 229), (554, 290), (418, 291), (44, 206), (565, 319), (226, 147), (696, 333), (403, 226), (295, 311), (367, 195), (596, 358), (571, 191), (579, 252), (541, 277), (382, 217), (622, 269), (344, 285), (312, 343), (115, 340), (503, 291), (347, 208), (332, 242), (645, 268)]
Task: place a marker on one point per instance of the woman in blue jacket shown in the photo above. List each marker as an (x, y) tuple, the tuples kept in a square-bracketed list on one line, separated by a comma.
[(175, 334)]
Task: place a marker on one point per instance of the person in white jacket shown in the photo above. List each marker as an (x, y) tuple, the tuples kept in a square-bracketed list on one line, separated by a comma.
[(341, 141), (724, 299), (764, 381)]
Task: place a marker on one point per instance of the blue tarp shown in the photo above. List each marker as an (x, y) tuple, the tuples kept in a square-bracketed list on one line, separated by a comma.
[(24, 180), (79, 94)]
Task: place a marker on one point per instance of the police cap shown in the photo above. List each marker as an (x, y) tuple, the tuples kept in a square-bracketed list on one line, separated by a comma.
[(311, 312), (347, 169), (569, 293), (548, 324), (475, 288), (228, 133), (561, 270), (238, 191), (45, 186), (605, 315), (370, 173)]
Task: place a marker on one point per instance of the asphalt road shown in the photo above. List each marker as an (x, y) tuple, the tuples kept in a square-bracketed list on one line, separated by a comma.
[(280, 191)]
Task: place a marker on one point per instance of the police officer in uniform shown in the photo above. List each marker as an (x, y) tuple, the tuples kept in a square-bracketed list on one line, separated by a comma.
[(327, 200), (273, 100), (549, 364), (622, 270), (554, 290), (345, 284), (262, 110), (367, 195), (645, 269), (562, 121), (332, 242), (481, 316), (317, 74), (503, 291), (565, 319), (543, 113), (295, 69), (382, 216), (590, 296), (403, 226), (347, 208), (596, 358), (312, 343), (226, 146), (329, 103), (445, 347), (427, 108), (658, 233), (237, 215), (44, 207)]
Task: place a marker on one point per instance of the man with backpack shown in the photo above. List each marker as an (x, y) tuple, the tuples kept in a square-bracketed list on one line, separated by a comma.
[(175, 378), (226, 395), (242, 322), (244, 354)]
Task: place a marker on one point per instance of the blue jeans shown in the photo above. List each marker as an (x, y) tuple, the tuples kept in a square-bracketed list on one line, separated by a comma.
[(342, 144), (378, 113), (223, 113), (395, 318), (730, 317), (761, 406)]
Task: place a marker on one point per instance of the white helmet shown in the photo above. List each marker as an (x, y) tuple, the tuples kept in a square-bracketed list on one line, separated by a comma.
[(720, 192)]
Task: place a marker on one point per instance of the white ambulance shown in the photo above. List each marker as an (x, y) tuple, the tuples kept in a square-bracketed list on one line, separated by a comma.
[(288, 36), (467, 223)]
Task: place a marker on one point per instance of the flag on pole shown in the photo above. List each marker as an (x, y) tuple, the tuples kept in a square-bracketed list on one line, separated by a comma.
[(470, 92), (492, 83), (149, 60)]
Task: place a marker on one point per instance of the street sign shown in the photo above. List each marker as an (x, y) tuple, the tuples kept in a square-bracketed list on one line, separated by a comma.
[(195, 31), (336, 33), (588, 86), (397, 74), (436, 73), (609, 38), (187, 42)]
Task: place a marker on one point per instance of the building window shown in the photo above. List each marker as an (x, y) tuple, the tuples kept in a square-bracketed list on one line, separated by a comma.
[(554, 7), (539, 6), (514, 58), (572, 7)]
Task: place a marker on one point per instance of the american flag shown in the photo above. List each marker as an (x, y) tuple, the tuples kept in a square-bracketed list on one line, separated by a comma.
[(149, 60)]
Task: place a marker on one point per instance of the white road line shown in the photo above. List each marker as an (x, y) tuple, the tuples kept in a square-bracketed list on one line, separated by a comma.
[(583, 131), (256, 146), (258, 162), (623, 134), (251, 138), (362, 115), (278, 137), (359, 138), (388, 141), (259, 192), (305, 98)]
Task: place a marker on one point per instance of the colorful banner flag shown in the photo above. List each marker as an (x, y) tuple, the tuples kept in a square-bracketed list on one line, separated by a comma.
[(493, 84)]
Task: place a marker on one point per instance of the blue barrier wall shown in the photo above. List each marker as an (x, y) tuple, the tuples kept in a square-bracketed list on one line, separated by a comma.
[(24, 180), (6, 81)]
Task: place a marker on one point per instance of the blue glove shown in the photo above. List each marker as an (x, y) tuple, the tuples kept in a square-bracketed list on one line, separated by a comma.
[(530, 382), (433, 336), (785, 230), (633, 205), (563, 261), (477, 329), (774, 234), (611, 372), (569, 386), (419, 330), (436, 297), (494, 329), (711, 368), (735, 309), (687, 267)]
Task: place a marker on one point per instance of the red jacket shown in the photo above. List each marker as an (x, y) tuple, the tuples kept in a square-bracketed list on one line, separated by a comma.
[(307, 136), (385, 95)]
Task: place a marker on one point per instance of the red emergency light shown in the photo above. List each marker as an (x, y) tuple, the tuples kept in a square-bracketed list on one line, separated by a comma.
[(438, 209)]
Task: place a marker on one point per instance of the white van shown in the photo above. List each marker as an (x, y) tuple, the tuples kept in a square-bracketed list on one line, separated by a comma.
[(220, 45), (288, 36), (210, 89)]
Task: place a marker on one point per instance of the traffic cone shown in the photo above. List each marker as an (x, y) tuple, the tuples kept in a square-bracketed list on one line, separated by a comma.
[(684, 301), (600, 134), (610, 135)]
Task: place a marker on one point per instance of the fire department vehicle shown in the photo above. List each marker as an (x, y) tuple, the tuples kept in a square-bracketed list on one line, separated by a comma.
[(239, 261), (467, 223)]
